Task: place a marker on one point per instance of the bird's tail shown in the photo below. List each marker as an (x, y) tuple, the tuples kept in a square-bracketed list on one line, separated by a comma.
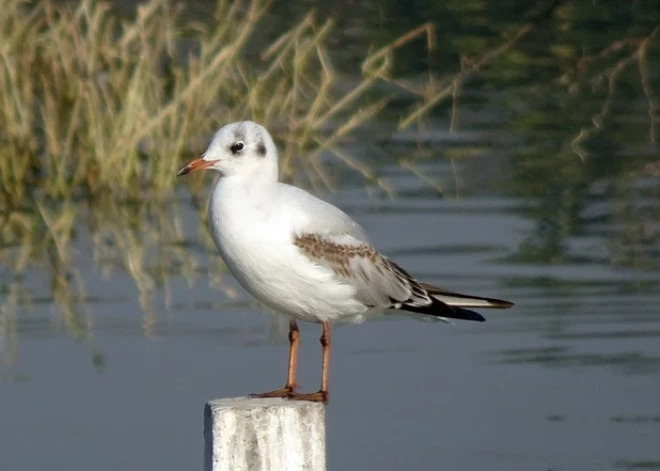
[(451, 298), (441, 304), (451, 305)]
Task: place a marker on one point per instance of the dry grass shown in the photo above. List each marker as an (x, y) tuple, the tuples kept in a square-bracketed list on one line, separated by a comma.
[(89, 104)]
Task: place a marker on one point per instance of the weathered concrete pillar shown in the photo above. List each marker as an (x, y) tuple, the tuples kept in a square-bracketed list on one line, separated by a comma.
[(249, 434)]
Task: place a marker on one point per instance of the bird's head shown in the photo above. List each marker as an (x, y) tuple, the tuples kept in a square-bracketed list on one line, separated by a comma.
[(239, 149)]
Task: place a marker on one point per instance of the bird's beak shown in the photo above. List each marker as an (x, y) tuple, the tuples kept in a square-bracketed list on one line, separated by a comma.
[(194, 165)]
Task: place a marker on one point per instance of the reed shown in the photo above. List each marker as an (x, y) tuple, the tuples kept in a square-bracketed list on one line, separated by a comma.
[(90, 104)]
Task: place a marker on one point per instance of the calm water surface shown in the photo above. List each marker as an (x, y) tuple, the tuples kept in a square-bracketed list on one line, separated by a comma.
[(568, 379)]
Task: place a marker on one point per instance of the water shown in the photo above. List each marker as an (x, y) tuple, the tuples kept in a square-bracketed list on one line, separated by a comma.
[(568, 379), (112, 340)]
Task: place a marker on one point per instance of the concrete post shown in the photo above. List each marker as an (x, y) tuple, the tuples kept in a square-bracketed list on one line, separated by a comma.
[(249, 434)]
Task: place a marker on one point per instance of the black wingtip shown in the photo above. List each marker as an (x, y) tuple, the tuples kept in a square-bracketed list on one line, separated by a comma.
[(440, 309), (468, 315)]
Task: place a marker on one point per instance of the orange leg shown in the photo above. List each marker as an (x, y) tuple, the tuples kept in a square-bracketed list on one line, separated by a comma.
[(322, 394), (291, 383)]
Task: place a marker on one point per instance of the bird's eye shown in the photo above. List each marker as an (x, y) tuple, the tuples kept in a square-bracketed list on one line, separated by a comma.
[(237, 146)]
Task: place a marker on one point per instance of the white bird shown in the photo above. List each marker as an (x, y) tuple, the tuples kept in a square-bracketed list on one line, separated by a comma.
[(303, 257)]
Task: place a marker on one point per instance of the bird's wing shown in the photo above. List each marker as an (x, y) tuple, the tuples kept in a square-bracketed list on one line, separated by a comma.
[(315, 216), (330, 238), (378, 282)]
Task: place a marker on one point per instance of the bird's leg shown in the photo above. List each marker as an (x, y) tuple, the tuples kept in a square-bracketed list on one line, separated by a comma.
[(291, 383), (325, 343), (322, 394), (294, 339)]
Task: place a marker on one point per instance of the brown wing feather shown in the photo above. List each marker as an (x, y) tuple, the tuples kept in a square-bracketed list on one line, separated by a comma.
[(379, 282)]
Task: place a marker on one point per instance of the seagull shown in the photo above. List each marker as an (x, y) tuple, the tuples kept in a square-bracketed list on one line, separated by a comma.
[(305, 258)]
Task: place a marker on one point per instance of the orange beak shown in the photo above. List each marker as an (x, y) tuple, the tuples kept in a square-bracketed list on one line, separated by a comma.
[(194, 165)]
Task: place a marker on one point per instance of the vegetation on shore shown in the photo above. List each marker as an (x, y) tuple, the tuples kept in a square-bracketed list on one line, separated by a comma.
[(90, 104)]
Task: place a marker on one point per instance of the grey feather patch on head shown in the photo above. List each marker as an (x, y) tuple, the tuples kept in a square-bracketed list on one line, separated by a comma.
[(261, 149), (239, 133)]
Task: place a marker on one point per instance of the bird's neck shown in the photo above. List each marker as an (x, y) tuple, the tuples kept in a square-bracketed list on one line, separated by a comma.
[(236, 189)]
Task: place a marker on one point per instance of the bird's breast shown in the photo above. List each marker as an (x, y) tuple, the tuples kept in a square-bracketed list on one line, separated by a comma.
[(250, 239)]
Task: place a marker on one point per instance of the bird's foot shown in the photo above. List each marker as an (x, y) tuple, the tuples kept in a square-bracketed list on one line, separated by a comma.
[(286, 391), (319, 396)]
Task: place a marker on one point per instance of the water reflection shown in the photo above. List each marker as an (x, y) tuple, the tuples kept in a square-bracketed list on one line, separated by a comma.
[(564, 356), (63, 253), (640, 464), (76, 256)]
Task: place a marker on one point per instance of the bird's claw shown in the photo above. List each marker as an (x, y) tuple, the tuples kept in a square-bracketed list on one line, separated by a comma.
[(319, 396), (289, 392), (286, 391)]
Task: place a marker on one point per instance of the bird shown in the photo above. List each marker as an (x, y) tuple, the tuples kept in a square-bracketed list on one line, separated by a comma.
[(305, 258)]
